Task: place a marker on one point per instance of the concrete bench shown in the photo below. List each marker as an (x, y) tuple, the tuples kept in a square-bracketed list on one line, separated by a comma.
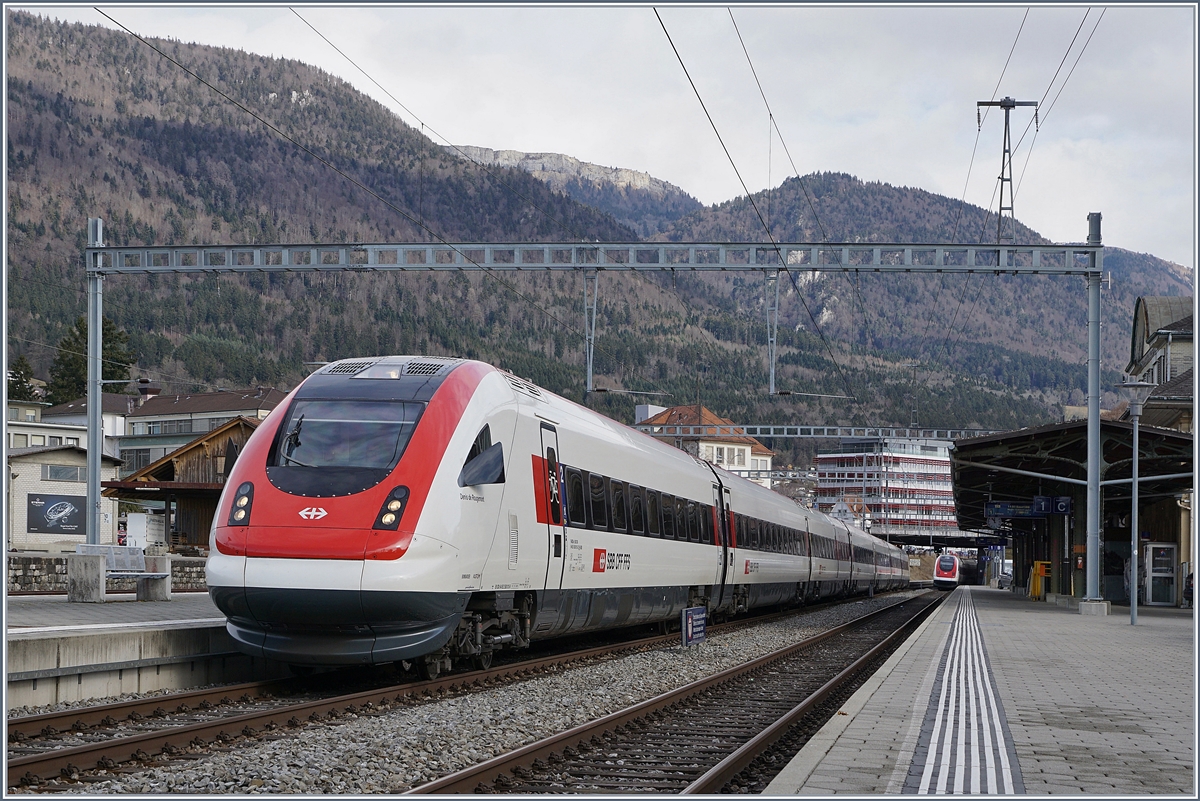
[(90, 567)]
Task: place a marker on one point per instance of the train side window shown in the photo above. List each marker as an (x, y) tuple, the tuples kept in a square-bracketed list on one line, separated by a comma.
[(741, 531), (681, 517), (599, 502), (668, 517), (637, 511), (693, 524), (706, 524), (576, 504), (483, 441), (616, 491), (652, 513)]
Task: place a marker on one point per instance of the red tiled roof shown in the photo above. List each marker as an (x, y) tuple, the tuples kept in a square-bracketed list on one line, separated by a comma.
[(687, 416)]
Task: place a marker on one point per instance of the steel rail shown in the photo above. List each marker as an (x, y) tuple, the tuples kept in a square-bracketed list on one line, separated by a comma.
[(468, 779), (142, 746), (92, 715), (720, 774)]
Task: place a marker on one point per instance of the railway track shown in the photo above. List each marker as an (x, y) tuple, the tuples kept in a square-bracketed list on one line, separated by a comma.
[(698, 738), (127, 736)]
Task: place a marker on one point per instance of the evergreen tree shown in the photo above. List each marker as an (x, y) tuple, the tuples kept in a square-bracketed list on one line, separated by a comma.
[(68, 373), (20, 387)]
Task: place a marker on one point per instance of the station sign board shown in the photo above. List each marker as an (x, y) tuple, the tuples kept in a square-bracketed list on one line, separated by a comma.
[(1041, 504), (1012, 509), (1062, 504), (692, 625)]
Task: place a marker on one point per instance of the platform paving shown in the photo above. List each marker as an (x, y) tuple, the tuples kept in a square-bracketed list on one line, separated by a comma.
[(1082, 705), (36, 615)]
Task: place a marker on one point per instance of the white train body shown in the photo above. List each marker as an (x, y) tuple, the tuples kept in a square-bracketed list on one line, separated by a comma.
[(580, 531)]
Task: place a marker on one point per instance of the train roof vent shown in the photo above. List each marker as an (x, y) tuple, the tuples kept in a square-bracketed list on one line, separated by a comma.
[(523, 386), (347, 367), (424, 368)]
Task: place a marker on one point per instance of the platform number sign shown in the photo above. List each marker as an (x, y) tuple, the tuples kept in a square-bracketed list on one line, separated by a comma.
[(693, 620), (1062, 504)]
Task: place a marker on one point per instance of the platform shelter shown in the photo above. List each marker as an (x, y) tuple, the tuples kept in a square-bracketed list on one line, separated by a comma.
[(1050, 462)]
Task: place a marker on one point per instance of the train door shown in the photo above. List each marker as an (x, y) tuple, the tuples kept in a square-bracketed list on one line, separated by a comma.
[(724, 538), (552, 497)]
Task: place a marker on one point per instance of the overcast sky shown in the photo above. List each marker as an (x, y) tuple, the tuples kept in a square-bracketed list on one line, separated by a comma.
[(886, 94)]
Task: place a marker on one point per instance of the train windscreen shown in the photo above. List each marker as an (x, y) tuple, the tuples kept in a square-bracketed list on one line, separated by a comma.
[(337, 447)]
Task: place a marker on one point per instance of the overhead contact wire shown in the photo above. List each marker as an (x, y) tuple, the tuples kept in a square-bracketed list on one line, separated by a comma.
[(816, 217), (750, 197), (417, 223)]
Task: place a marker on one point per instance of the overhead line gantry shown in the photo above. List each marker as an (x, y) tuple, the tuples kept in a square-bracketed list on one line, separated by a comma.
[(589, 260)]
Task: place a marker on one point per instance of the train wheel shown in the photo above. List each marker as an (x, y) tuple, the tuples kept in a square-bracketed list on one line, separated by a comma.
[(482, 661), (428, 667)]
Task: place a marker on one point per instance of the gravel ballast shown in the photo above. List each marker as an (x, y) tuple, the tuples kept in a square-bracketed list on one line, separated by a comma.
[(408, 746)]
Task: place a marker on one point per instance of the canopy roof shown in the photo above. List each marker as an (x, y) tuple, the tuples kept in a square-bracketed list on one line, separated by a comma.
[(979, 466)]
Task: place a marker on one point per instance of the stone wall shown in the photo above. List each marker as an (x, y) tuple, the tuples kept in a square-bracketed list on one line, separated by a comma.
[(45, 573)]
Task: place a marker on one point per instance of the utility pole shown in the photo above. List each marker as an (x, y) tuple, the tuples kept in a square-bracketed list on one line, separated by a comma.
[(1008, 104)]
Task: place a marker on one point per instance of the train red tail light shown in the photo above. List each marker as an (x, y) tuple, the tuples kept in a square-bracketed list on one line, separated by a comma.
[(239, 513), (392, 510)]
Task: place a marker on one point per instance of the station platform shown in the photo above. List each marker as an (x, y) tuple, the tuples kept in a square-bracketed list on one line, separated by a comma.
[(998, 694), (60, 651)]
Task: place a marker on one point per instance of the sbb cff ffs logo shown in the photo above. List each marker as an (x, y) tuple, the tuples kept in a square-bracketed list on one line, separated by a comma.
[(604, 560)]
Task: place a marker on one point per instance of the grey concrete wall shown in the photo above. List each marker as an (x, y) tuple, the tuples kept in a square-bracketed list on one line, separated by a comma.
[(45, 573), (53, 669)]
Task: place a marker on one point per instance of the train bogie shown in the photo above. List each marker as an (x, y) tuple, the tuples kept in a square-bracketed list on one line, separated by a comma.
[(469, 510)]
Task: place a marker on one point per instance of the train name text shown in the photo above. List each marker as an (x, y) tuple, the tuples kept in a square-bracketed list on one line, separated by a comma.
[(463, 496)]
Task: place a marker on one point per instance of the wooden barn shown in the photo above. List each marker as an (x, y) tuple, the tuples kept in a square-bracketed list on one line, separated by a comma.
[(188, 481)]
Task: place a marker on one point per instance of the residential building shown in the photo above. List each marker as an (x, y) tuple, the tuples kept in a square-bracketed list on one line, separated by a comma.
[(905, 484), (1161, 346), (737, 454), (47, 499), (114, 408), (26, 428), (164, 423)]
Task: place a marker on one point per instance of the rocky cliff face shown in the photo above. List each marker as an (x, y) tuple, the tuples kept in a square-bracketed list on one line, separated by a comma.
[(637, 199)]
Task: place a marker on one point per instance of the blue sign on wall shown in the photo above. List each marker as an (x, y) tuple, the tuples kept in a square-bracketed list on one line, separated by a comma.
[(693, 621)]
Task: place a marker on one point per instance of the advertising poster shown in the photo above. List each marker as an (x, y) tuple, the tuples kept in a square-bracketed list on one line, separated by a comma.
[(55, 514)]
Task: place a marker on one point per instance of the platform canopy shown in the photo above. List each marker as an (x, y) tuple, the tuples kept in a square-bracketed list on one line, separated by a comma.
[(1051, 461)]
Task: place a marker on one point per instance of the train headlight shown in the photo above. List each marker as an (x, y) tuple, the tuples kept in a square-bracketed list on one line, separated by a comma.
[(392, 509), (243, 502)]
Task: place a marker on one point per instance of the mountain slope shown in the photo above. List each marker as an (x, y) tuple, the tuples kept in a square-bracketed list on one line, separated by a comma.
[(960, 322)]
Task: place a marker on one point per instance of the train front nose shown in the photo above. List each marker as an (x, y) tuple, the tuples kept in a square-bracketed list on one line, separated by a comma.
[(316, 611)]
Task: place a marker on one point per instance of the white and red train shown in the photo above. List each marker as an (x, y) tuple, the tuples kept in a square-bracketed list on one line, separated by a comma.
[(423, 509), (948, 572)]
